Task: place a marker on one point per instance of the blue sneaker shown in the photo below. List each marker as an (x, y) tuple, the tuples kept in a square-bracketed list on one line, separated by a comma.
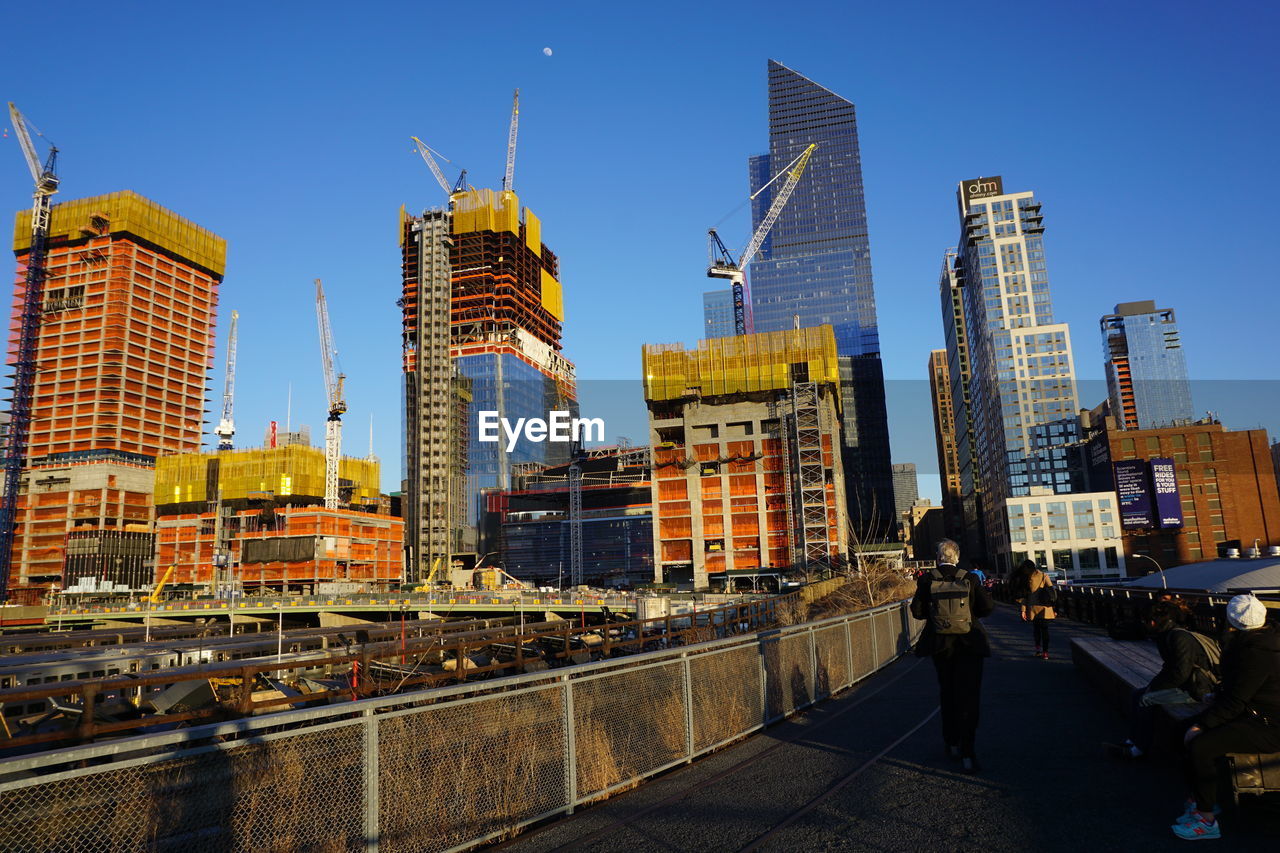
[(1197, 830), (1189, 811)]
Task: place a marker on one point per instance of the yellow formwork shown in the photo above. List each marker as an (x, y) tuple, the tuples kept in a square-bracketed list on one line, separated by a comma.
[(262, 472), (532, 232), (552, 296), (127, 212), (739, 364), (486, 210)]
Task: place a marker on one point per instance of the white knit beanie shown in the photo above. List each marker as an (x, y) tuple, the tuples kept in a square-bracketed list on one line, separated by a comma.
[(1246, 612)]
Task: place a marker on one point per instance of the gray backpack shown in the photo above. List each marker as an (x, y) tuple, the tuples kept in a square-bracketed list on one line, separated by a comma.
[(949, 603)]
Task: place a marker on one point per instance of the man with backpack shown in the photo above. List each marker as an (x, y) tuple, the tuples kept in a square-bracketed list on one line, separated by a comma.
[(950, 601), (1189, 673)]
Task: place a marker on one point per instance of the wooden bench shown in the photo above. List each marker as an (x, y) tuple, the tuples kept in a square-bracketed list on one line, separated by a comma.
[(1118, 668)]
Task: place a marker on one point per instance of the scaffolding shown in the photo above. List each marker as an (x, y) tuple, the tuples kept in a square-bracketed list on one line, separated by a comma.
[(743, 364), (261, 473), (811, 493)]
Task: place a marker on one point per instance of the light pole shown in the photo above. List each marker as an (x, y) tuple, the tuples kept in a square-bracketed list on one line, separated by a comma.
[(279, 631), (1163, 583)]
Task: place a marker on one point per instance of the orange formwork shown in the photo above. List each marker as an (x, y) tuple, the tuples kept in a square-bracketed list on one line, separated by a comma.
[(125, 343), (340, 545)]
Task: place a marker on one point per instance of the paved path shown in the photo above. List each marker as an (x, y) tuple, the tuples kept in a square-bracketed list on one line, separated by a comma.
[(865, 771)]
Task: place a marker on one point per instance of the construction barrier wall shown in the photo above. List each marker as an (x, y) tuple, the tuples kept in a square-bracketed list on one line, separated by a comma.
[(127, 212), (270, 471), (741, 364)]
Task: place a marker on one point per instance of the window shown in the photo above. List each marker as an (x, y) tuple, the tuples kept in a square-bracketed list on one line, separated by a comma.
[(1062, 560), (1110, 558), (1127, 448), (1088, 558)]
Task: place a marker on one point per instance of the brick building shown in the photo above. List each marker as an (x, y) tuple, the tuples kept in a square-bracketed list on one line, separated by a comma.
[(1226, 484)]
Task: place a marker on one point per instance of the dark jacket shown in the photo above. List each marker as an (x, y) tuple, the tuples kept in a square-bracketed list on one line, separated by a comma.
[(1250, 678), (975, 642), (1185, 664)]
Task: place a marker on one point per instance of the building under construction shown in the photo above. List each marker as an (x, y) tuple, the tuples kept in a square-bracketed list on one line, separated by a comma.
[(747, 470), (482, 313), (533, 521), (272, 531), (123, 346)]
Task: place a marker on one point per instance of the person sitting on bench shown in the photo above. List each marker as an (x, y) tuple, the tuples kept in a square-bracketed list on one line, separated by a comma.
[(1189, 674), (1244, 716)]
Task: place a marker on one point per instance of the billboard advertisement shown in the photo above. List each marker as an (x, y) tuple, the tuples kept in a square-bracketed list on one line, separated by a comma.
[(1133, 493), (1164, 486)]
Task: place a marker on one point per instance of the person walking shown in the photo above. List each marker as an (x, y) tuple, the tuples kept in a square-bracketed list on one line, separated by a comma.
[(1037, 597), (1243, 717), (950, 601)]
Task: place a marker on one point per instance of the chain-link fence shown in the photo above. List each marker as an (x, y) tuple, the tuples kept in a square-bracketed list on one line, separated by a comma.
[(438, 771)]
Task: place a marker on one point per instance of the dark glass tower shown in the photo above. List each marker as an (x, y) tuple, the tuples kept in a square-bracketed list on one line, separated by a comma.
[(816, 265)]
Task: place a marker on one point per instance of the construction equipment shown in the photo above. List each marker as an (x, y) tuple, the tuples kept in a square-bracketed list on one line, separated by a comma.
[(154, 597), (227, 425), (508, 180), (46, 184), (337, 405), (722, 262)]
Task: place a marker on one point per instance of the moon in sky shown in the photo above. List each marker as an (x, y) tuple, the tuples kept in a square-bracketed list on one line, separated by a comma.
[(546, 51)]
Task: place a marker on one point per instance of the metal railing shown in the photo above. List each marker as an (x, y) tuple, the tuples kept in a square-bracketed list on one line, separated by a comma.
[(443, 770)]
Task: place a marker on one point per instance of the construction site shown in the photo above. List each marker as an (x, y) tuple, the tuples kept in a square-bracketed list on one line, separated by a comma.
[(482, 312), (748, 480), (111, 339), (595, 517), (273, 532)]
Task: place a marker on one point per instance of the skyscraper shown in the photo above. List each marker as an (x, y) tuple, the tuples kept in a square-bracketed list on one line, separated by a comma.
[(717, 314), (944, 431), (482, 312), (906, 488), (1146, 368), (125, 343), (1022, 390), (815, 264)]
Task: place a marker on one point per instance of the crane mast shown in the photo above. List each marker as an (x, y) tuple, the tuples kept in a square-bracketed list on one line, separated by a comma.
[(46, 184), (508, 179), (227, 425), (722, 262), (337, 405)]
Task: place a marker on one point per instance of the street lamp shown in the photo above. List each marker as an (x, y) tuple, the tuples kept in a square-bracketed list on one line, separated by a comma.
[(1163, 583)]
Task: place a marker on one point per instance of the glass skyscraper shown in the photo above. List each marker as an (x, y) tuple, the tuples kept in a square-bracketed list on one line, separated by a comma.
[(815, 264), (717, 314), (1146, 368)]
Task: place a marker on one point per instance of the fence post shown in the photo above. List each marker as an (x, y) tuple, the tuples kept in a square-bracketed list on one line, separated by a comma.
[(371, 794), (570, 748), (875, 641), (813, 667), (688, 704), (848, 652)]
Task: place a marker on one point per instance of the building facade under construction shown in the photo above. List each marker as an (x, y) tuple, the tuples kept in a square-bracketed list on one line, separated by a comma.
[(255, 519), (124, 344), (746, 455), (482, 314), (534, 521)]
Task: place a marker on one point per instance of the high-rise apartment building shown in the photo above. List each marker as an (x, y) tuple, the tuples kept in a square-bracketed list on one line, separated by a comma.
[(1022, 376), (1146, 367), (482, 309), (815, 264), (717, 314), (125, 343), (747, 478), (944, 433)]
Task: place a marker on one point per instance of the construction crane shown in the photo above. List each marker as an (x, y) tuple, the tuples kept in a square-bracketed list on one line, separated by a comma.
[(508, 180), (722, 262), (46, 184), (337, 405), (227, 425)]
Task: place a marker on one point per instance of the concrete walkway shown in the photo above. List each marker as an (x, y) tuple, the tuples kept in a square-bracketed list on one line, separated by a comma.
[(865, 771)]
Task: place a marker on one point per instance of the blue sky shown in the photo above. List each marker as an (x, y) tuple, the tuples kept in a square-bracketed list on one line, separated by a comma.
[(1147, 130)]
